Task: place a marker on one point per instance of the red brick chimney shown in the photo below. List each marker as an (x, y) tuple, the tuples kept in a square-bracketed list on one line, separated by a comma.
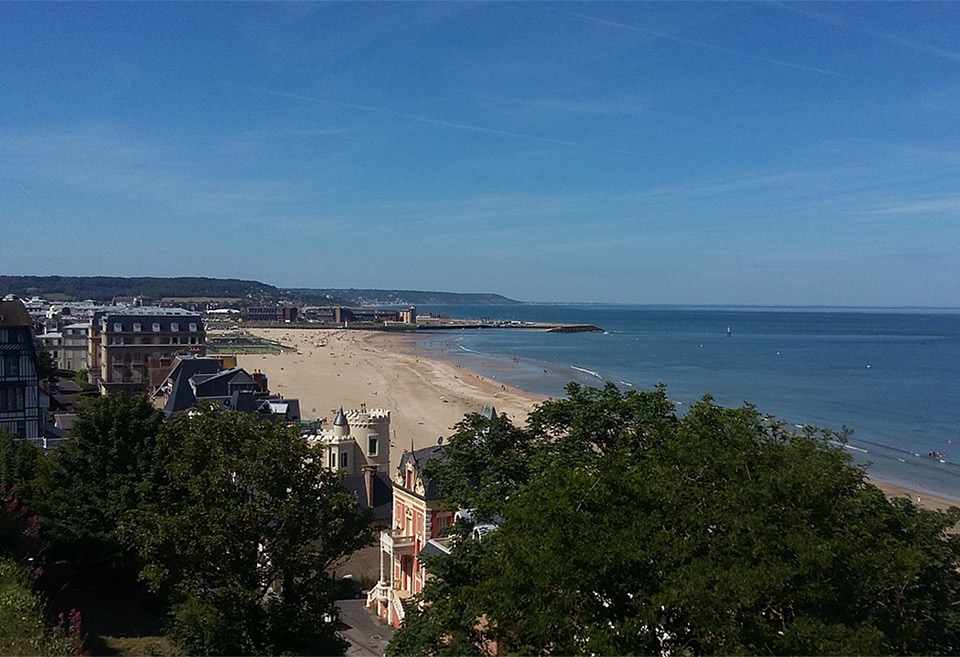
[(369, 472)]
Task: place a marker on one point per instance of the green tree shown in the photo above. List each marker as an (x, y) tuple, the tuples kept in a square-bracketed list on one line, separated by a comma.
[(90, 483), (18, 524), (719, 532), (486, 460), (46, 366), (244, 534), (19, 463)]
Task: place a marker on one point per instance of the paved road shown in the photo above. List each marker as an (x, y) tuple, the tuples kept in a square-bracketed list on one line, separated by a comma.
[(367, 634)]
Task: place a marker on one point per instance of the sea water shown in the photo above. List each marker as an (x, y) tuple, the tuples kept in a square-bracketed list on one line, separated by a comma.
[(892, 376)]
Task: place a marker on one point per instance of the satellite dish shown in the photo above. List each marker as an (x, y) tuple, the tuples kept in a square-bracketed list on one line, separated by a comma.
[(439, 440)]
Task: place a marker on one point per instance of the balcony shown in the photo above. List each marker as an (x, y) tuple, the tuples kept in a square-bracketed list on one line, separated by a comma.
[(394, 542)]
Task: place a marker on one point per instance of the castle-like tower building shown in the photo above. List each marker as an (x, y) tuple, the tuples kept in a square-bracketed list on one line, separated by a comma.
[(358, 439)]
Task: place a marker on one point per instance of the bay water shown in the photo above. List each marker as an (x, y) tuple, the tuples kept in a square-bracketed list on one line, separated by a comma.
[(892, 376)]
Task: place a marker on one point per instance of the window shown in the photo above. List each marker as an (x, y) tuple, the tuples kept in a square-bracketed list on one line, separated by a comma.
[(156, 327), (193, 326), (136, 327), (444, 520), (333, 459), (11, 364), (12, 399), (371, 446), (146, 340), (174, 326), (117, 327), (343, 459)]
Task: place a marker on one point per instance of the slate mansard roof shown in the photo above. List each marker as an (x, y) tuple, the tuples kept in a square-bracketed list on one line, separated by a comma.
[(146, 316)]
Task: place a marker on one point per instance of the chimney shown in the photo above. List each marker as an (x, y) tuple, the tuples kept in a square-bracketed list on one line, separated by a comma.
[(369, 472)]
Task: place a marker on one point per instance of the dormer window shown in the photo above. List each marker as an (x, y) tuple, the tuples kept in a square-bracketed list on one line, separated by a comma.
[(193, 326), (174, 326), (117, 327), (136, 327), (156, 327)]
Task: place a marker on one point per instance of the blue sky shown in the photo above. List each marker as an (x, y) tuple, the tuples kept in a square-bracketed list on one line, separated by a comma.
[(741, 152)]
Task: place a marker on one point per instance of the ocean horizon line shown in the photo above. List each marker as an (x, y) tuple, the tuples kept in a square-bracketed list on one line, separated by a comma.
[(749, 307)]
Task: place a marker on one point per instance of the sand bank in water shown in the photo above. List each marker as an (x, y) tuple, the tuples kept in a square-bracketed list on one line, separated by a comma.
[(426, 398)]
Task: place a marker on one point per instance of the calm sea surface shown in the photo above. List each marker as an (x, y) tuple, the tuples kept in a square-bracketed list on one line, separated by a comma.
[(891, 376)]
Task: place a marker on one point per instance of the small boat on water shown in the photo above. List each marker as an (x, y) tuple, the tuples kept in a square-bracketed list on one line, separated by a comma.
[(729, 331)]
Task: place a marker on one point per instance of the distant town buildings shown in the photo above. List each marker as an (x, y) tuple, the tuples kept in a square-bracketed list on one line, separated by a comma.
[(285, 313), (75, 353), (341, 316)]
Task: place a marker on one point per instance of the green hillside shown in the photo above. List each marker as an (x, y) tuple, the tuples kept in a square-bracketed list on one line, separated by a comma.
[(105, 288)]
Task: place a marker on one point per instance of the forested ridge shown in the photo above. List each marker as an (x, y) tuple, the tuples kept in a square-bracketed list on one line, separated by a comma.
[(242, 292), (105, 288)]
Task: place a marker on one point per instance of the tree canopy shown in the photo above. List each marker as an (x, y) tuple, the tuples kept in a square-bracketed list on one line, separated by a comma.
[(231, 521), (625, 528), (243, 534), (89, 484)]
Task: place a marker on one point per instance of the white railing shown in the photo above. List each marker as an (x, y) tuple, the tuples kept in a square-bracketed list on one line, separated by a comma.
[(379, 593), (398, 607), (394, 539)]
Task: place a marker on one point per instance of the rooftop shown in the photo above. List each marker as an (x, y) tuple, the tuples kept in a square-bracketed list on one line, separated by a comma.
[(14, 313), (147, 311)]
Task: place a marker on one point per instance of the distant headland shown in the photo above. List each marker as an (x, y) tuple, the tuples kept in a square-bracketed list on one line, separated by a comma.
[(229, 290)]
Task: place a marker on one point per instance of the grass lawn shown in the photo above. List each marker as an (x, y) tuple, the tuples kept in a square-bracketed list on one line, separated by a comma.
[(118, 617)]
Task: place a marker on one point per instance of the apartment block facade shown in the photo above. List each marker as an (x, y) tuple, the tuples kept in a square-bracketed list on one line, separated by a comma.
[(132, 350)]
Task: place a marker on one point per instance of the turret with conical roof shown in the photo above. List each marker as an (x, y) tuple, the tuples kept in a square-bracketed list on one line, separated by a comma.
[(340, 425)]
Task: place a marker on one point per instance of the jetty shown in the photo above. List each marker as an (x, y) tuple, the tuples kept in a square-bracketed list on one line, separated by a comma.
[(455, 324)]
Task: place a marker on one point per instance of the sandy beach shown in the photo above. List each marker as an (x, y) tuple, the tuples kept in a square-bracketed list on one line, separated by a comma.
[(425, 397)]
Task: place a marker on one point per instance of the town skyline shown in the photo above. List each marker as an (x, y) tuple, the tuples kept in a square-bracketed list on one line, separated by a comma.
[(772, 154)]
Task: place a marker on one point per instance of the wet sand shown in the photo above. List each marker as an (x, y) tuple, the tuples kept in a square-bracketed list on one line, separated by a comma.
[(426, 397)]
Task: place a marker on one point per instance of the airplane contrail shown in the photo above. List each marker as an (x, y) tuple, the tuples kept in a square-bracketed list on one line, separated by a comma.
[(428, 120), (925, 48), (701, 44)]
